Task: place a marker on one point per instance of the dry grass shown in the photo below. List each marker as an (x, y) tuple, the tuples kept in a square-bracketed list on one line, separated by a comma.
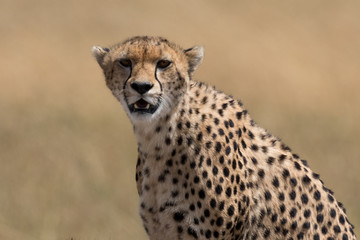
[(66, 148)]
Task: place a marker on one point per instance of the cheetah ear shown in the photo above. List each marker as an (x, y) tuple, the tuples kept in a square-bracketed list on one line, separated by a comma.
[(194, 57), (99, 53)]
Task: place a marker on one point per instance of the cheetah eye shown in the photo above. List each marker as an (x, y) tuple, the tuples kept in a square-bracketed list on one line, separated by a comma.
[(163, 64), (125, 62)]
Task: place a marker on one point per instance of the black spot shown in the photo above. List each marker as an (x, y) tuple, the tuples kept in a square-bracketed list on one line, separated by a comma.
[(292, 195), (315, 175), (201, 194), (228, 192), (196, 179), (218, 147), (213, 203), (219, 221), (331, 198), (189, 140), (316, 237), (243, 144), (267, 233), (320, 218), (221, 205), (215, 170), (208, 184), (218, 189), (297, 166), (261, 173), (267, 196), (251, 135), (307, 213), (179, 140), (332, 213), (221, 159), (238, 115), (230, 210), (192, 232), (199, 136), (281, 197), (221, 132), (317, 195), (208, 234), (324, 230), (167, 141), (319, 207), (293, 212), (275, 182), (306, 180), (234, 164), (300, 236), (254, 147), (226, 172), (270, 160), (227, 150), (204, 100), (342, 219), (282, 157), (306, 225), (206, 213), (274, 218), (337, 229), (286, 173), (208, 162), (208, 145), (293, 182), (169, 163), (179, 216), (183, 159), (264, 149), (285, 148), (235, 146), (231, 123), (304, 198), (192, 207), (242, 187), (204, 174)]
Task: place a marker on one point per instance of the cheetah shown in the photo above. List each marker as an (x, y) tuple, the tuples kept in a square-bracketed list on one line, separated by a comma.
[(205, 169)]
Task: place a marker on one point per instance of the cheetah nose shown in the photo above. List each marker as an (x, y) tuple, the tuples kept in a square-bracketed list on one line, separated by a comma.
[(141, 87)]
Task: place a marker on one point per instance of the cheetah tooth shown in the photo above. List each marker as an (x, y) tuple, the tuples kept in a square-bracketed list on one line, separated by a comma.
[(146, 107)]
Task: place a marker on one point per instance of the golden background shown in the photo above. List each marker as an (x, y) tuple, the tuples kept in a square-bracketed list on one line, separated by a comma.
[(67, 150)]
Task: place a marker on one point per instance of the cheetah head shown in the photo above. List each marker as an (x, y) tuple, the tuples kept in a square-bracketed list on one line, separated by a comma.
[(148, 75)]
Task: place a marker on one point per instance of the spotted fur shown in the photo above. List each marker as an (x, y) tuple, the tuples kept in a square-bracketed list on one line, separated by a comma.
[(205, 169)]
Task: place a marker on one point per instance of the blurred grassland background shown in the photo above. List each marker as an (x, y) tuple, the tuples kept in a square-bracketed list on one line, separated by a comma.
[(67, 151)]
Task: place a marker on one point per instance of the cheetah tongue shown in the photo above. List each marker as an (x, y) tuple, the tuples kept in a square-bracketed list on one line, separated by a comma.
[(141, 104)]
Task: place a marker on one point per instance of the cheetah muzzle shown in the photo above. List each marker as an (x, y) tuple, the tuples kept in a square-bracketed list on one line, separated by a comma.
[(205, 169)]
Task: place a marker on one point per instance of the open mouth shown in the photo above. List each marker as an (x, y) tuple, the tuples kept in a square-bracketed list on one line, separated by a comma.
[(142, 106)]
